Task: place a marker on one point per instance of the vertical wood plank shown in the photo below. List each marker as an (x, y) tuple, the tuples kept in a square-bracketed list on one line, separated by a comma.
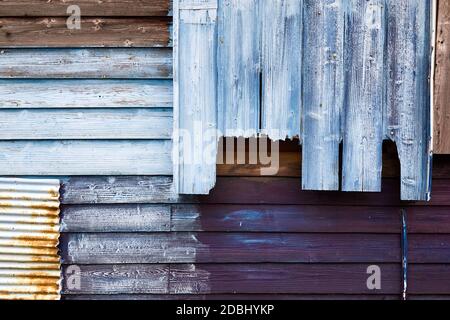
[(238, 62), (281, 68), (323, 96), (195, 74), (363, 130), (442, 82), (408, 106)]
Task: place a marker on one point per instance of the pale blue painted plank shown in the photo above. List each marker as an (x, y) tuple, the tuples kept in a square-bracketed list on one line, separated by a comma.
[(238, 62), (86, 94), (195, 99), (81, 157), (363, 121), (281, 68), (323, 92), (408, 116), (97, 63)]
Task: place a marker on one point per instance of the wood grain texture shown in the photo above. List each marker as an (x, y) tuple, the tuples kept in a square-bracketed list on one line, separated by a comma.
[(78, 157), (282, 30), (249, 218), (195, 99), (94, 32), (363, 120), (19, 94), (116, 218), (232, 190), (290, 160), (98, 63), (89, 8), (116, 279), (408, 93), (117, 190), (88, 124), (305, 219), (261, 282), (239, 66), (441, 83), (278, 279), (323, 95), (100, 248)]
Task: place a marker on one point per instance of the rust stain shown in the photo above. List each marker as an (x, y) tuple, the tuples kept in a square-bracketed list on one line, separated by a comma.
[(30, 267)]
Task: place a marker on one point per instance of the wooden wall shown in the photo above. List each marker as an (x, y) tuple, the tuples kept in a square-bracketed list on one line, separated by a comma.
[(253, 237), (442, 81), (97, 100), (132, 236)]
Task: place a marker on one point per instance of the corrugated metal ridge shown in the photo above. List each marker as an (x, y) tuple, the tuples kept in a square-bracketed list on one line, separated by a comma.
[(30, 267)]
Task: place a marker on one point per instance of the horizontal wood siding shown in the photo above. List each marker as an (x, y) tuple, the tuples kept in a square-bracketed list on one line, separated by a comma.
[(248, 241), (92, 63), (89, 8), (94, 32), (64, 124), (81, 157)]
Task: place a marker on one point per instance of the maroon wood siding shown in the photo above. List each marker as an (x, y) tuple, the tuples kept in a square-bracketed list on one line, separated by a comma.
[(253, 238)]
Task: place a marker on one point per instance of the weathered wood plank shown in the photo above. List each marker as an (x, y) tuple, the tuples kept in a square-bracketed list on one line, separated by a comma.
[(285, 191), (441, 83), (363, 123), (427, 219), (109, 8), (408, 114), (238, 62), (117, 190), (233, 190), (279, 279), (323, 96), (62, 124), (290, 159), (257, 282), (98, 63), (115, 218), (77, 157), (85, 94), (99, 248), (429, 248), (305, 219), (195, 98), (116, 279), (282, 29), (250, 218), (94, 32)]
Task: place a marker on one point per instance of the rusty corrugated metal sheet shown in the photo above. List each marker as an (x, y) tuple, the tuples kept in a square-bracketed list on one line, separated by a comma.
[(29, 234)]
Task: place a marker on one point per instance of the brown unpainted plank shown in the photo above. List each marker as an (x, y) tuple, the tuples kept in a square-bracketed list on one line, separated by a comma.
[(116, 279), (95, 248), (305, 219), (94, 32), (115, 218), (442, 81), (89, 8)]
